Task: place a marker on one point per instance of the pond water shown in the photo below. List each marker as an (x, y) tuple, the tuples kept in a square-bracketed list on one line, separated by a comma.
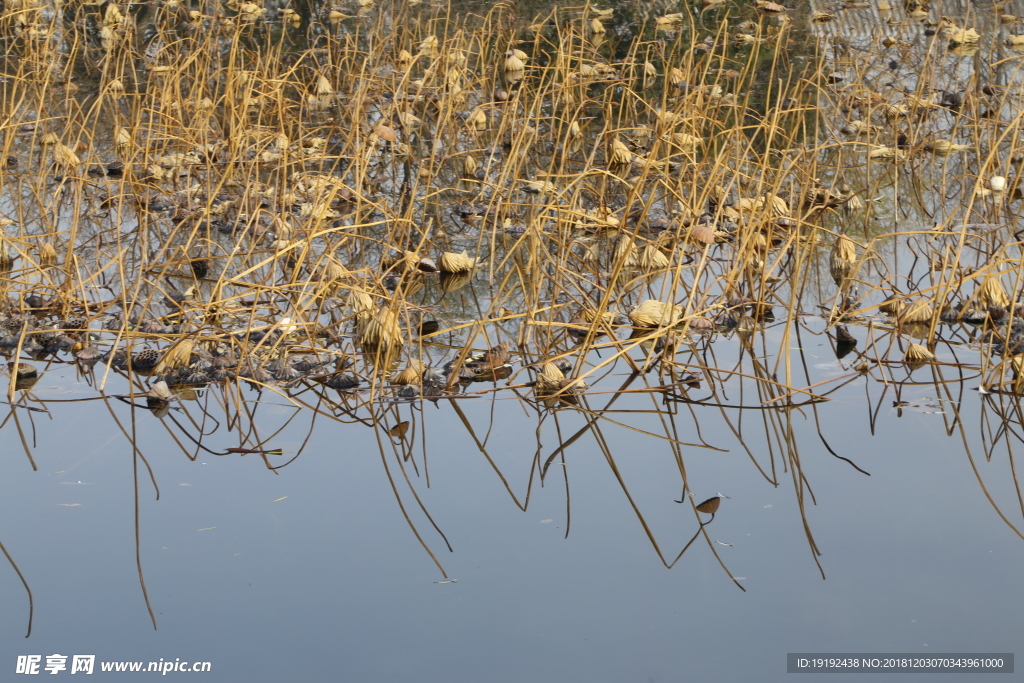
[(699, 509), (312, 572)]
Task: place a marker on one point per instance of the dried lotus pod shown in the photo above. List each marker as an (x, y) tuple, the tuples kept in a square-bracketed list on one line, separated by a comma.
[(654, 313), (449, 282), (332, 271), (513, 64), (65, 157), (477, 120), (362, 305), (892, 305), (401, 263), (47, 254), (323, 87), (626, 252), (123, 143), (917, 311), (991, 293), (411, 374), (1017, 365), (583, 321), (177, 355), (404, 58), (842, 258), (382, 329), (159, 391), (548, 379), (455, 263), (619, 155), (917, 355), (653, 259)]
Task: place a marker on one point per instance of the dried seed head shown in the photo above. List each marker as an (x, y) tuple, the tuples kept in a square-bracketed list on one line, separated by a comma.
[(323, 87), (892, 305), (113, 17), (160, 391), (477, 119), (65, 157), (455, 263), (626, 252), (917, 311), (653, 259), (429, 45), (382, 329), (844, 254), (123, 143), (412, 373), (991, 293), (619, 153), (549, 379), (47, 254), (514, 64), (177, 355), (654, 313), (917, 353), (686, 143)]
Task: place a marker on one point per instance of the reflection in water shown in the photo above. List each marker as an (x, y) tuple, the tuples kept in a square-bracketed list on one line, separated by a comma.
[(644, 240), (688, 396)]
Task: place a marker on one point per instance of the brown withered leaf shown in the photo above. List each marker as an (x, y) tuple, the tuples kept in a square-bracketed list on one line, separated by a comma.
[(710, 506)]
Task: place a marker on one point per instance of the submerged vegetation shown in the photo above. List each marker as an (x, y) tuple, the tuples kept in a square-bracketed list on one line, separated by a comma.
[(361, 208)]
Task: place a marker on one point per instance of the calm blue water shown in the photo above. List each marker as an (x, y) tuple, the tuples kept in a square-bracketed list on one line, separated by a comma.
[(313, 574)]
